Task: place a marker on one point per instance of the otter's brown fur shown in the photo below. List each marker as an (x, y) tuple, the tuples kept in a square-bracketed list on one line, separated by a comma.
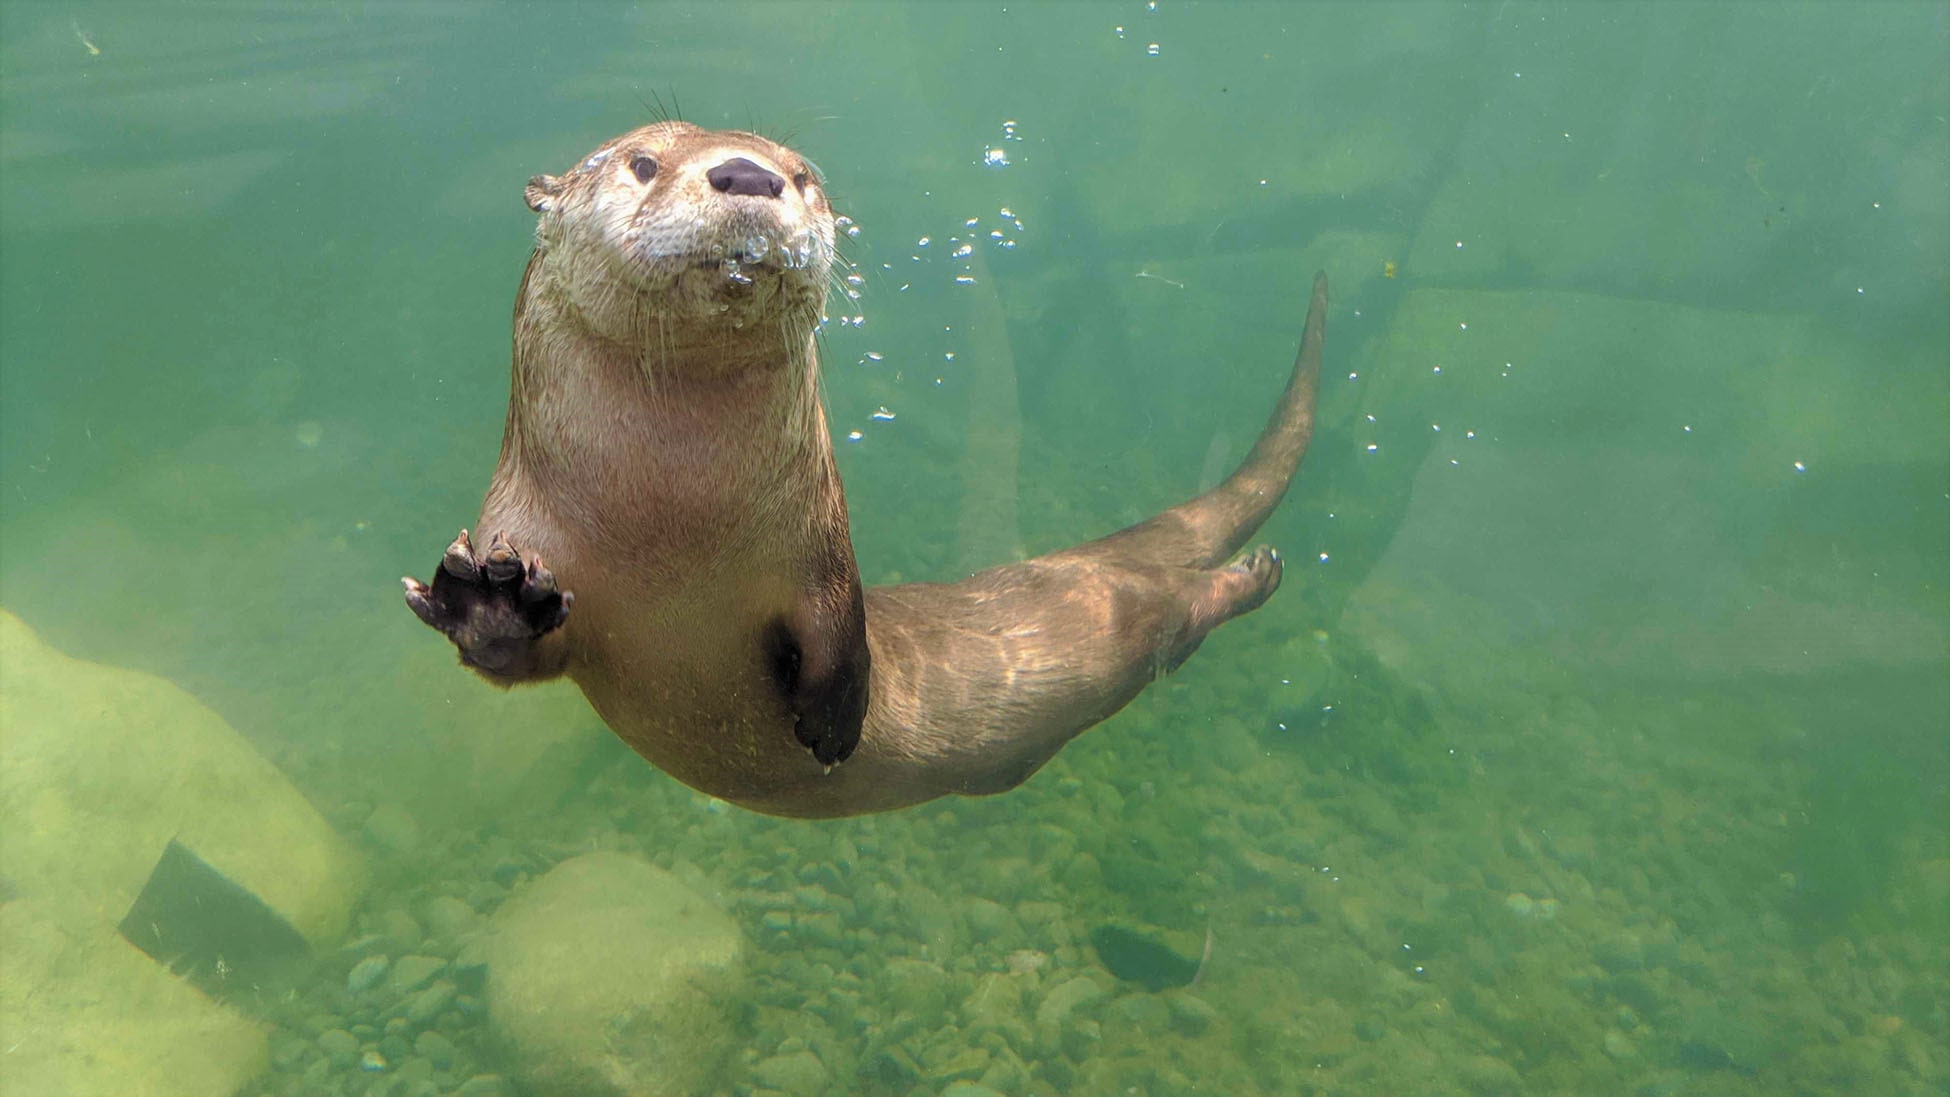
[(667, 459)]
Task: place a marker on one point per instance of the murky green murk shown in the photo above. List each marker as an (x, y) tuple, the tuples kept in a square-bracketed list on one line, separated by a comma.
[(1596, 743)]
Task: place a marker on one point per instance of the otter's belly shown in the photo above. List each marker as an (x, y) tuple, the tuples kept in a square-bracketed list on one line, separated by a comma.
[(699, 704)]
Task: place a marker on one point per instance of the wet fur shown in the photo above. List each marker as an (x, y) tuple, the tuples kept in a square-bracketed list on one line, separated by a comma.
[(668, 457)]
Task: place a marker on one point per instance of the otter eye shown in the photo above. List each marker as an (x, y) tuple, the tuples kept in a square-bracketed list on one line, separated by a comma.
[(800, 179), (644, 167)]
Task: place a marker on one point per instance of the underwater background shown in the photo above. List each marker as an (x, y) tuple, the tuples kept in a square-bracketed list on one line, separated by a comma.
[(1596, 743)]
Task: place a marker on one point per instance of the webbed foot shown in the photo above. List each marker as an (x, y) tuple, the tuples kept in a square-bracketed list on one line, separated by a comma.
[(493, 606)]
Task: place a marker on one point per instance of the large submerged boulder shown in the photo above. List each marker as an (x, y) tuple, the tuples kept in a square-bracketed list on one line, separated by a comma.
[(101, 768), (143, 839), (608, 977), (82, 1011)]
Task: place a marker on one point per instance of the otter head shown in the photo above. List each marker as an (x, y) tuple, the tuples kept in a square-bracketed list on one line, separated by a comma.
[(676, 230)]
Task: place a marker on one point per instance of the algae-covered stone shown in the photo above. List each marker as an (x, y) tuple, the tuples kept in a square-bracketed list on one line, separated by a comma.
[(608, 976), (915, 989), (84, 1012), (798, 1073), (1066, 998), (414, 972), (102, 767), (996, 1004), (1192, 1015)]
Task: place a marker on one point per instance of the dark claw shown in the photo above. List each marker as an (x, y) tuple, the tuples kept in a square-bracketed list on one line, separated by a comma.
[(459, 560), (502, 563), (420, 599), (539, 583)]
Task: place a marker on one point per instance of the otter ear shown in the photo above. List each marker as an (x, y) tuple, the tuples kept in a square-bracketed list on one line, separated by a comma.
[(541, 192)]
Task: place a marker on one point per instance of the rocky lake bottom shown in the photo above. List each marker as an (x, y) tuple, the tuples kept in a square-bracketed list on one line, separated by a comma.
[(1554, 891)]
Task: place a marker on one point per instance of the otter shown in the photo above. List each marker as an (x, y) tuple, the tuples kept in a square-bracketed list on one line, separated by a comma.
[(666, 525)]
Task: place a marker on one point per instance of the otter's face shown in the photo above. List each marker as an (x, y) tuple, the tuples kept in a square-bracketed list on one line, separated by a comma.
[(674, 222)]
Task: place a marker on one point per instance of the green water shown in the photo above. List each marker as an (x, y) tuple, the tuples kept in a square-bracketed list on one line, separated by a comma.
[(1595, 744)]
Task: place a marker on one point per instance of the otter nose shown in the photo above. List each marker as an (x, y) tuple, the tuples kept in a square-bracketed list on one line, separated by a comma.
[(740, 176)]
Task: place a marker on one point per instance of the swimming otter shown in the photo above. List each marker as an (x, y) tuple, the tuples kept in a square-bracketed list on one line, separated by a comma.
[(667, 459)]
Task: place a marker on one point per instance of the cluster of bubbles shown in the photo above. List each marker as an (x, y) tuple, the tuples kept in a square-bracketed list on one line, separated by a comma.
[(1002, 231), (1150, 48), (960, 250), (997, 155)]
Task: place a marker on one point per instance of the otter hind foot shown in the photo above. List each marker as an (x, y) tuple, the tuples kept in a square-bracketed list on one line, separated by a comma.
[(493, 606), (1217, 596), (1245, 584)]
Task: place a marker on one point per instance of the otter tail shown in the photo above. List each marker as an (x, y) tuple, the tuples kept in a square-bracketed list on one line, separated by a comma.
[(1209, 530)]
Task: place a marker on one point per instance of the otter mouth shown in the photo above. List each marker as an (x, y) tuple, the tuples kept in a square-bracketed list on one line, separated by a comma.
[(766, 252), (745, 261)]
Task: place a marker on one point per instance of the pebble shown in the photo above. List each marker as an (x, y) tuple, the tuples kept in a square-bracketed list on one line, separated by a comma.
[(287, 1052), (437, 1049), (449, 919), (1192, 1015), (821, 928), (486, 1085), (400, 930), (392, 827), (486, 895), (414, 972), (798, 1073), (1081, 1040), (427, 1004), (366, 973), (341, 1048), (987, 919), (1619, 1047), (1145, 1011), (964, 1065), (1065, 998), (969, 1089)]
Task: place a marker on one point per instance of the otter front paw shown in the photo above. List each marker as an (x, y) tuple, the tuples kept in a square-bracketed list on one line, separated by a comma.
[(494, 607)]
